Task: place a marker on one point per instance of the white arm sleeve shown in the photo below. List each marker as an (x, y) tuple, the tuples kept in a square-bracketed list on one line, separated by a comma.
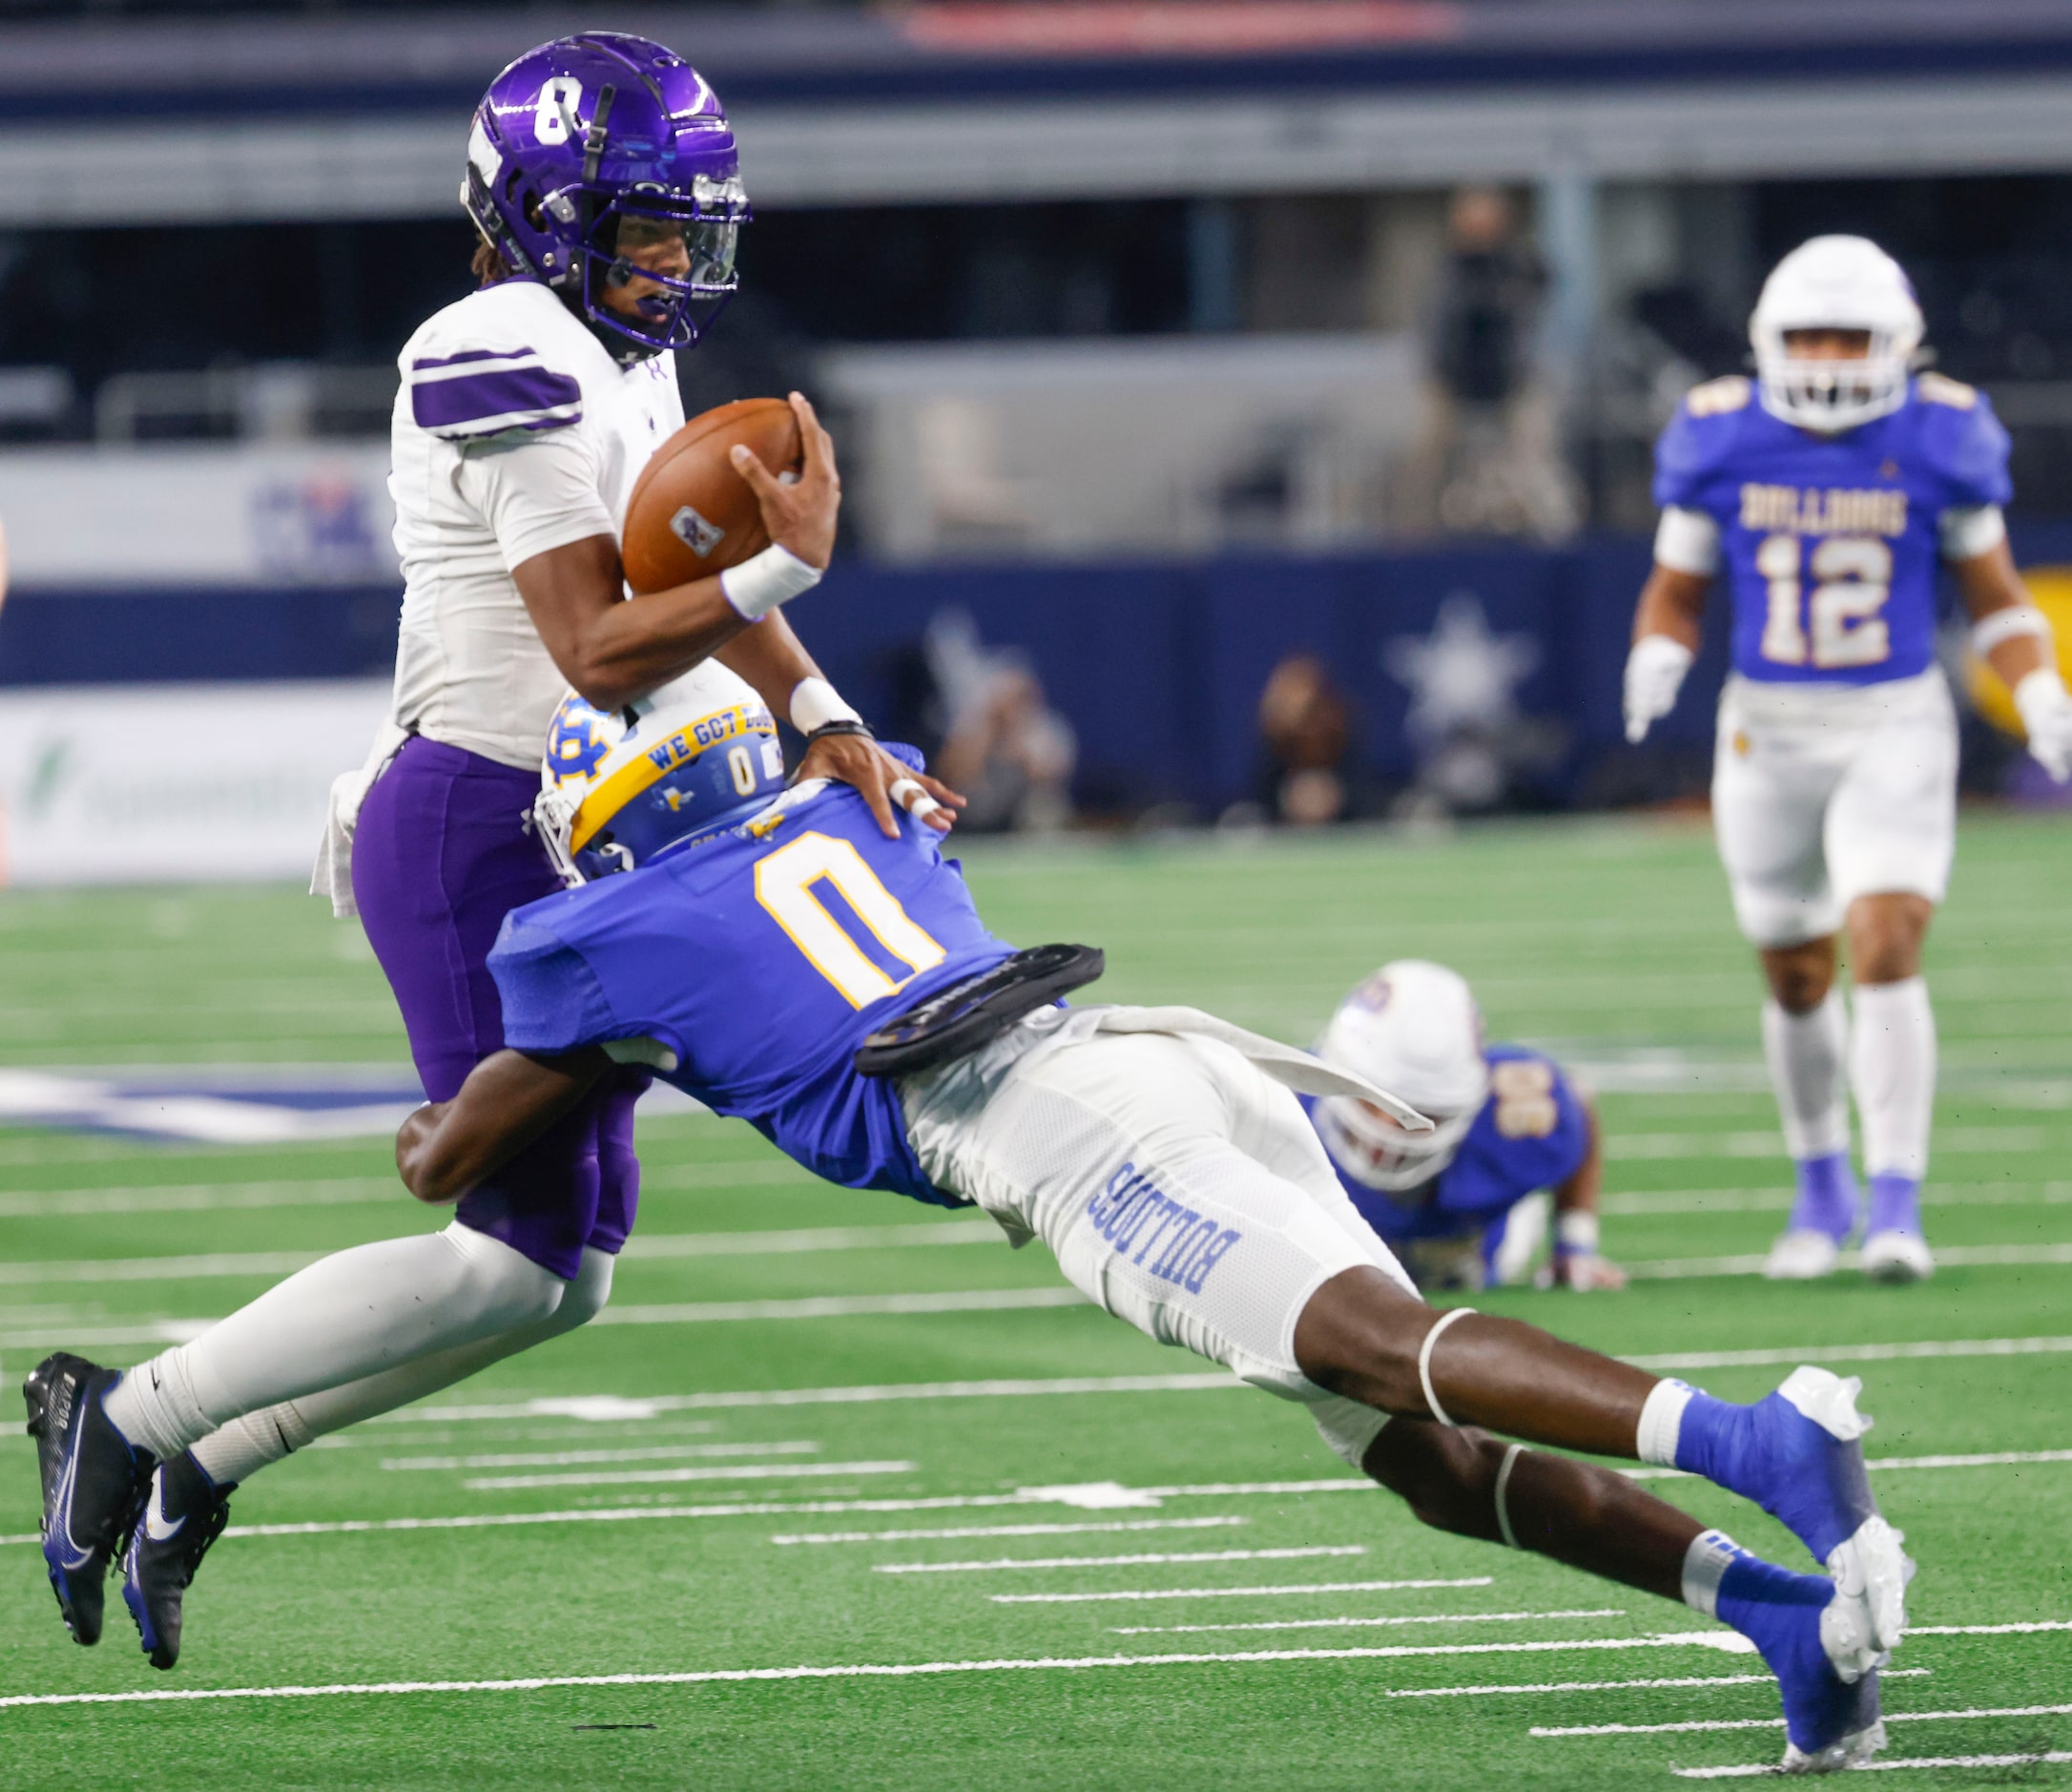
[(1970, 529), (537, 494), (1687, 541)]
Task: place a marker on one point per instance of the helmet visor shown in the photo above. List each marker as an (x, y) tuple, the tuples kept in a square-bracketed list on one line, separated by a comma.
[(661, 264)]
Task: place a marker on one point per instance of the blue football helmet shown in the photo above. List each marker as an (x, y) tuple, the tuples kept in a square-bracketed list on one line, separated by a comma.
[(616, 788)]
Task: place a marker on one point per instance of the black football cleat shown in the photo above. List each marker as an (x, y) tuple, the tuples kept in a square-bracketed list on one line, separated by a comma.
[(94, 1483), (185, 1514)]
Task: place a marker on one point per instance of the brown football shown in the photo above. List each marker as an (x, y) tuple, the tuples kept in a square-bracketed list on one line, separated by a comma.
[(692, 514)]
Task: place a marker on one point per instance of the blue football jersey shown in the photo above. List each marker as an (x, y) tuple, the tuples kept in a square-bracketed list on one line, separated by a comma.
[(1830, 544), (1532, 1133), (761, 959)]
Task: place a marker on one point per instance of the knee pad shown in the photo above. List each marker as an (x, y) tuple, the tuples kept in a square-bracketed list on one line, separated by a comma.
[(507, 1288)]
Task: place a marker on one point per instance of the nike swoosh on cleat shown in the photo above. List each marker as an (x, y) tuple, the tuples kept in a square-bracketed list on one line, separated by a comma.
[(156, 1527), (61, 1512)]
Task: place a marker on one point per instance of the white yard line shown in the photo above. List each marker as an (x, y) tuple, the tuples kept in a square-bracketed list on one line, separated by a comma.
[(843, 1306), (886, 1237), (1007, 1531), (1305, 1590), (1663, 1203), (1611, 1686), (606, 1408), (570, 1458), (1904, 1764), (859, 1671), (642, 1248), (1362, 1624), (1951, 1256), (1856, 1353), (736, 1471), (1951, 1140), (1778, 1723), (1091, 1496), (1118, 1561)]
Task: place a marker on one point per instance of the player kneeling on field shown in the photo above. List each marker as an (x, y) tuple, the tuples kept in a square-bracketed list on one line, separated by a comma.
[(786, 964), (1507, 1123)]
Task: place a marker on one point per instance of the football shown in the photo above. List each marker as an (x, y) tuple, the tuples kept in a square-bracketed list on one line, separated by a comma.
[(691, 514)]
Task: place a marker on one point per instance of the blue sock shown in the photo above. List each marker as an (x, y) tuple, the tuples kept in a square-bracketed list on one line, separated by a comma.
[(1711, 1438), (1752, 1587), (1895, 1204), (1826, 1195)]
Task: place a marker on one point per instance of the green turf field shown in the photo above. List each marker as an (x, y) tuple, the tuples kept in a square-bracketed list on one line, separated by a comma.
[(690, 1546)]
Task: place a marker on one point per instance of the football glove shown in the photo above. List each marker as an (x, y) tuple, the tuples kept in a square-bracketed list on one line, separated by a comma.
[(2046, 717), (1654, 674)]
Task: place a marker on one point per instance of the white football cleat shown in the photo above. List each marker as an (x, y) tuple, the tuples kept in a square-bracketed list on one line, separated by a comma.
[(1897, 1257), (1802, 1255)]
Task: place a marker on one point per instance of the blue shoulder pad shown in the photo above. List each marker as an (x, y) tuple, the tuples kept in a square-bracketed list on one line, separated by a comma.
[(489, 391), (1699, 437), (1962, 441), (552, 1000)]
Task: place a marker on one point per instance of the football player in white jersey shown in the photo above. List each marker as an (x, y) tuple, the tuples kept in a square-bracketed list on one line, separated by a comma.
[(1832, 491), (603, 181)]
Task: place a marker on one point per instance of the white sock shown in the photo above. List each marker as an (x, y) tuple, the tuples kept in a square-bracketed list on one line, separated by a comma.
[(346, 1317), (1704, 1564), (245, 1446), (1805, 1054), (1892, 1064), (1662, 1422)]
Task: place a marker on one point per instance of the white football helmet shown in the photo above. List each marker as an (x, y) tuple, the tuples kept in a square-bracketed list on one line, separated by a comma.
[(1835, 284), (1413, 1028)]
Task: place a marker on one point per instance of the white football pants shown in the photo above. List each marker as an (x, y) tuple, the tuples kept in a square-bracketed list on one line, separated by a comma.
[(1180, 1187), (1825, 793)]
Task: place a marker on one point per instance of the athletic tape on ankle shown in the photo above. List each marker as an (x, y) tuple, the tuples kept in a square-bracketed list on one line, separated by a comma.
[(1424, 1363), (1504, 1492), (1662, 1422), (1706, 1563)]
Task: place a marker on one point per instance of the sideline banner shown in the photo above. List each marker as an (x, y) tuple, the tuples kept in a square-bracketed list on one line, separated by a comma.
[(146, 784)]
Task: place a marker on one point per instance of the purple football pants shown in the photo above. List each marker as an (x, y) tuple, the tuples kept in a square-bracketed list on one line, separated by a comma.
[(440, 857)]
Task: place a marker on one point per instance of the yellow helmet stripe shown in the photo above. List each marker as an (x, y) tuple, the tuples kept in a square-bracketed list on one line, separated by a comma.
[(657, 759)]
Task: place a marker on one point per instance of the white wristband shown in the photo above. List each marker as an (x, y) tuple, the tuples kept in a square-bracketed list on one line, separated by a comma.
[(1575, 1234), (759, 584), (2006, 625), (815, 703)]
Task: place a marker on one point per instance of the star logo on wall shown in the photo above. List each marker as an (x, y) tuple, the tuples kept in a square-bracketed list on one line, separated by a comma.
[(1462, 674)]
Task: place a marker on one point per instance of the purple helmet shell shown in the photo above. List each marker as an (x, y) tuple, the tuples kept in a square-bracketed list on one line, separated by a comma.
[(592, 146)]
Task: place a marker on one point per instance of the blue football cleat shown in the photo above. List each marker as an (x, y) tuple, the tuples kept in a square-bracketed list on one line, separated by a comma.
[(1798, 1454), (94, 1483), (1816, 1639), (185, 1514)]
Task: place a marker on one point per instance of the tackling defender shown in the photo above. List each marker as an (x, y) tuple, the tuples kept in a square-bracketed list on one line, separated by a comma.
[(1829, 491), (788, 965), (602, 180), (1508, 1123)]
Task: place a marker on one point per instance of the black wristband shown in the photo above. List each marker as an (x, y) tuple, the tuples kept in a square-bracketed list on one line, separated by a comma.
[(825, 731)]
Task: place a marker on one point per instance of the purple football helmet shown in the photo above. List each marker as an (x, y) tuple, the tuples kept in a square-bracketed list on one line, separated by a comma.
[(592, 146)]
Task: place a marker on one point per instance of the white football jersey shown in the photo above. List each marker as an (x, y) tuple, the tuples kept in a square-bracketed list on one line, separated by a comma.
[(515, 431)]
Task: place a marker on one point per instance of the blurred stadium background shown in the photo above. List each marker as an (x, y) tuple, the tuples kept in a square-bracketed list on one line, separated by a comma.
[(1170, 346), (1246, 410)]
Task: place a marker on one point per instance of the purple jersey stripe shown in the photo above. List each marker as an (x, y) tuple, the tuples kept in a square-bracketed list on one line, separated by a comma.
[(426, 362), (476, 397)]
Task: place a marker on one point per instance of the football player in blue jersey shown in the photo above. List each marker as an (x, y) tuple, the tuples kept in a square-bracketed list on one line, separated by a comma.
[(1829, 493), (785, 962), (1508, 1124)]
